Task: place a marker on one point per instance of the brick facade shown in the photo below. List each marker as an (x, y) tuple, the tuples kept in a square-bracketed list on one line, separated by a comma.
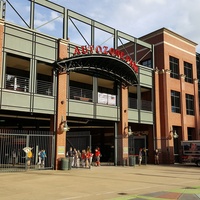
[(168, 43)]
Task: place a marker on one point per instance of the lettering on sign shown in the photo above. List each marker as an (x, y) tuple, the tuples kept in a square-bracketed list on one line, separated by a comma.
[(107, 51)]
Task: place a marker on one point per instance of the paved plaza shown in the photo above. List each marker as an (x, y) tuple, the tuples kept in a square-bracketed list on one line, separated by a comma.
[(104, 183)]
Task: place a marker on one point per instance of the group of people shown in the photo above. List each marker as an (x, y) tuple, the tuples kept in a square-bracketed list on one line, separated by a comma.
[(156, 156), (85, 158), (41, 158)]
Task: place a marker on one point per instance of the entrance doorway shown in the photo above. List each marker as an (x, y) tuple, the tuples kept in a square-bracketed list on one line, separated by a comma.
[(78, 140), (101, 138), (134, 145)]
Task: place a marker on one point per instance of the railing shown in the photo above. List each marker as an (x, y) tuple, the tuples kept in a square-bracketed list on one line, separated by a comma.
[(44, 87), (17, 83), (133, 103), (145, 105), (21, 84), (80, 94)]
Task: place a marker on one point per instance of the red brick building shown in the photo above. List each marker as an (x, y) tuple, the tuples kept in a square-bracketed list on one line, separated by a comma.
[(176, 92), (128, 94)]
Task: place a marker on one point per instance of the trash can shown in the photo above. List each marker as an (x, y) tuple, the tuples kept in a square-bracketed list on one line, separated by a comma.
[(131, 160), (65, 164), (124, 162)]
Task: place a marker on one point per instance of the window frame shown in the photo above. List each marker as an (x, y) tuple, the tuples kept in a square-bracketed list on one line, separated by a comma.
[(189, 104), (175, 102), (174, 67), (188, 72)]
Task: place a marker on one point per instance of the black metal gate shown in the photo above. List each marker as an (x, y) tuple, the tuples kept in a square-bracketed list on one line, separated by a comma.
[(135, 143), (78, 140), (15, 145)]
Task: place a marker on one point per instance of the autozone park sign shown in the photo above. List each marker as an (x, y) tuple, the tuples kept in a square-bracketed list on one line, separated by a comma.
[(107, 51)]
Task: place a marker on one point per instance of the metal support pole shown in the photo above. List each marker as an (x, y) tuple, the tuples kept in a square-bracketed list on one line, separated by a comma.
[(116, 130)]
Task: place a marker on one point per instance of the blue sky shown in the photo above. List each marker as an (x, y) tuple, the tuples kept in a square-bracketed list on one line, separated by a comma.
[(135, 17)]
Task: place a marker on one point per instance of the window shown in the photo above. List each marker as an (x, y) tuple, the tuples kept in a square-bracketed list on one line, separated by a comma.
[(188, 72), (174, 67), (17, 73), (147, 63), (190, 131), (44, 78), (189, 104), (175, 101)]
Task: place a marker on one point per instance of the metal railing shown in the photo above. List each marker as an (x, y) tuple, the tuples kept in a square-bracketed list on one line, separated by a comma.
[(44, 88), (80, 94), (145, 105), (21, 84), (17, 83), (133, 103)]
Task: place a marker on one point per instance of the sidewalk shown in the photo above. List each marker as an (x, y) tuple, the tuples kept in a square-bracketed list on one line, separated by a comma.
[(105, 182)]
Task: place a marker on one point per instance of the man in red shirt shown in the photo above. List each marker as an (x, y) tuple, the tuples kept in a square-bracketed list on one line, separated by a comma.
[(97, 155)]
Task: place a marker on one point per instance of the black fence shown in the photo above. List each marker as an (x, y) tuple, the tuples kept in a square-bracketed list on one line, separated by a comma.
[(15, 146)]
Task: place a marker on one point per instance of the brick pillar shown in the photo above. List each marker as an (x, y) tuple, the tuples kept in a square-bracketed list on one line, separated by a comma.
[(196, 109), (123, 128), (167, 145), (169, 142), (183, 108), (157, 111), (61, 107)]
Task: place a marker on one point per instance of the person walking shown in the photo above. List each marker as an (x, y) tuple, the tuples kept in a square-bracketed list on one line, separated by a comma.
[(90, 158), (43, 156), (83, 158), (14, 155), (70, 154), (97, 155), (39, 159), (156, 155), (29, 157), (78, 158), (75, 158), (140, 156)]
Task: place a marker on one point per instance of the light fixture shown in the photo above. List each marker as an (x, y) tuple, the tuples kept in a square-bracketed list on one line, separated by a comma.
[(65, 126), (175, 135), (130, 132)]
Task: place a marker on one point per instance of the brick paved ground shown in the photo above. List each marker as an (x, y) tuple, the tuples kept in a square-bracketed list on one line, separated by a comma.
[(105, 182)]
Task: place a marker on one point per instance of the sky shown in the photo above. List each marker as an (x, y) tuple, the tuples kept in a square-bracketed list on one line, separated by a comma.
[(134, 17)]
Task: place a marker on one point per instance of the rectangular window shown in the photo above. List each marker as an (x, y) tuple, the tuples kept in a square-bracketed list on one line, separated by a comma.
[(175, 101), (147, 63), (174, 67), (17, 73), (189, 104), (188, 72)]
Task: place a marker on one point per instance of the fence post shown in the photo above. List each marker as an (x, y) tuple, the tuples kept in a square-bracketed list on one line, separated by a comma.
[(27, 144)]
